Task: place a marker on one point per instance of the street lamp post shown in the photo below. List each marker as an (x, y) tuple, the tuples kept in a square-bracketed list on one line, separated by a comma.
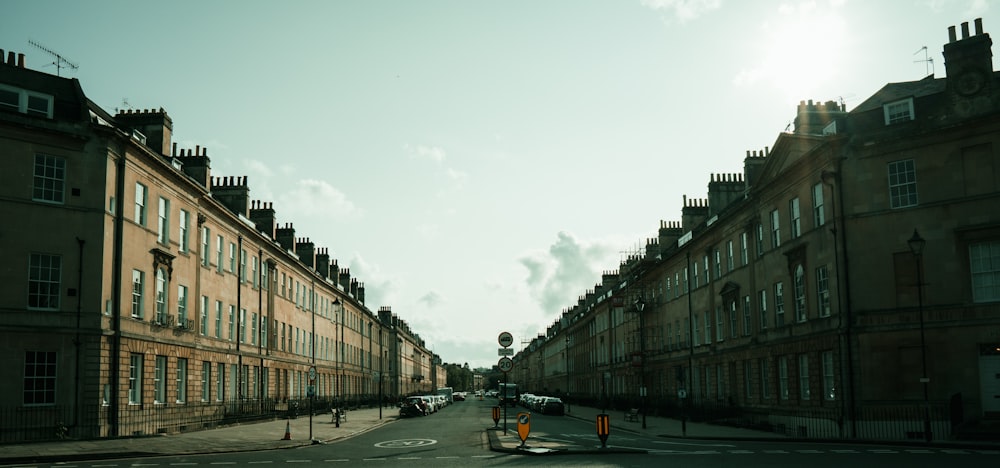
[(639, 306), (567, 373), (916, 244)]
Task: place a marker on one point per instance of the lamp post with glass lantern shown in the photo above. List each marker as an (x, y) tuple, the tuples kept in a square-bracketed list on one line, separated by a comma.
[(567, 372), (916, 244)]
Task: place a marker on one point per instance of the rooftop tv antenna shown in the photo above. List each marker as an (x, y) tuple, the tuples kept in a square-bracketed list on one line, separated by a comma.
[(928, 61), (60, 60)]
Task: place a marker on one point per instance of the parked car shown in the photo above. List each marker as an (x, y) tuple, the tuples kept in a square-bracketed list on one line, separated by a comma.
[(460, 396), (432, 403), (419, 402), (553, 406)]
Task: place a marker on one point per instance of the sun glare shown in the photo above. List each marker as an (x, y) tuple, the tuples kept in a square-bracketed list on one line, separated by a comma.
[(798, 52)]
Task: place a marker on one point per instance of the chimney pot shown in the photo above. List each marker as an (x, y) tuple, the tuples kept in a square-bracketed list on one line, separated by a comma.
[(965, 30), (951, 34), (979, 26), (20, 60)]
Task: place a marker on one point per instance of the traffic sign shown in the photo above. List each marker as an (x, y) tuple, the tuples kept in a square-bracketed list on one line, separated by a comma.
[(523, 426), (506, 339), (505, 364), (505, 352), (312, 373)]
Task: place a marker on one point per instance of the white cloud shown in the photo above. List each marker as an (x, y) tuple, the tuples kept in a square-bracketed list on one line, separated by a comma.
[(432, 153), (557, 277), (431, 300), (683, 10), (316, 198)]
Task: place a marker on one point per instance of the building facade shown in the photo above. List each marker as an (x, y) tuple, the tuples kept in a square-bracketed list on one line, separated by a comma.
[(846, 284), (143, 294)]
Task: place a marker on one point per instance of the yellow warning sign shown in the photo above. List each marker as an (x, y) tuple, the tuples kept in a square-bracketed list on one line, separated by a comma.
[(523, 426)]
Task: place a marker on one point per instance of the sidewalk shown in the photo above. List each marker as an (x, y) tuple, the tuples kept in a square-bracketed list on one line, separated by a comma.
[(236, 438)]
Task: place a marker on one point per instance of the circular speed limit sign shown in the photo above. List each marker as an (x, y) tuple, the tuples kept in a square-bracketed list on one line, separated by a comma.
[(505, 364)]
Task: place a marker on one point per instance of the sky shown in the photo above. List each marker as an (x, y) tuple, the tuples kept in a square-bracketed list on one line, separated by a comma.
[(479, 164)]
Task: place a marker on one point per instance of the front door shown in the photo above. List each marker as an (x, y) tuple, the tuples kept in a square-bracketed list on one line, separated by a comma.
[(989, 383)]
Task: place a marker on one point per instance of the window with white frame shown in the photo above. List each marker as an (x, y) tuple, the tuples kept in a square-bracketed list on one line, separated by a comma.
[(160, 380), (44, 281), (182, 380), (232, 257), (49, 184), (765, 379), (243, 326), (243, 265), (694, 274), (163, 221), (823, 291), (253, 272), (720, 382), (779, 304), (206, 381), (140, 204), (775, 229), (138, 278), (729, 256), (697, 336), (232, 322), (705, 264), (253, 328), (898, 111), (800, 293), (819, 212), (203, 322), (783, 377), (39, 384), (218, 319), (760, 239), (219, 242), (829, 388), (748, 379), (718, 263), (182, 234), (794, 217), (744, 257), (220, 382), (804, 393), (984, 263), (182, 300), (733, 330), (160, 296), (206, 235), (135, 379), (902, 184), (762, 306), (719, 327), (26, 102), (746, 315), (708, 327)]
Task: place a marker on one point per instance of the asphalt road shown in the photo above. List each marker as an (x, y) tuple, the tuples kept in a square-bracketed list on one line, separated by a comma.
[(457, 437)]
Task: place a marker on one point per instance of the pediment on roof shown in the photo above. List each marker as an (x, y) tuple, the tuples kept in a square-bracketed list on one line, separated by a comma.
[(788, 150)]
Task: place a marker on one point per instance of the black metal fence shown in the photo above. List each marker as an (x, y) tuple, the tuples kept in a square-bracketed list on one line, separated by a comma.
[(870, 421), (47, 423)]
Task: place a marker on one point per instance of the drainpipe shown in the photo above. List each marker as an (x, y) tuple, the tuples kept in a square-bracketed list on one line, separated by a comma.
[(76, 339), (239, 321), (116, 300)]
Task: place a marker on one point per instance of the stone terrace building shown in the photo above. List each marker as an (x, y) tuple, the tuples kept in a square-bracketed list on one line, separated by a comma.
[(142, 294), (790, 298)]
